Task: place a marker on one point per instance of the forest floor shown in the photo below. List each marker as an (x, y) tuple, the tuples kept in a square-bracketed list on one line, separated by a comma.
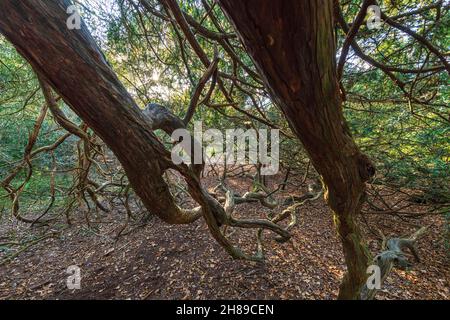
[(160, 261)]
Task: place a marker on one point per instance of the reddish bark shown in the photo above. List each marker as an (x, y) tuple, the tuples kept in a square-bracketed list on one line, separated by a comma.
[(293, 45), (73, 64)]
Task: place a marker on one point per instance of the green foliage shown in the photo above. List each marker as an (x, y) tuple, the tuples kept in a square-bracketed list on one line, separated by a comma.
[(409, 141)]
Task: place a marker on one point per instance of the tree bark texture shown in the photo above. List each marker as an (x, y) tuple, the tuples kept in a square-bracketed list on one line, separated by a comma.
[(293, 46), (72, 63)]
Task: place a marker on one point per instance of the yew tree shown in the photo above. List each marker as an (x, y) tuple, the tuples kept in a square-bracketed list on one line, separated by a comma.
[(293, 46)]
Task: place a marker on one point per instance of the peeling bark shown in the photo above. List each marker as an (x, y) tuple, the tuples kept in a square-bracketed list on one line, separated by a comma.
[(71, 62), (292, 44)]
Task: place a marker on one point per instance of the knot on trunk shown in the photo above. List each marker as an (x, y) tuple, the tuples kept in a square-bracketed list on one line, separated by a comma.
[(365, 167)]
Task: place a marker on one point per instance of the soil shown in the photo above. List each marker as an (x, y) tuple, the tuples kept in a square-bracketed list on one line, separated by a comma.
[(161, 261)]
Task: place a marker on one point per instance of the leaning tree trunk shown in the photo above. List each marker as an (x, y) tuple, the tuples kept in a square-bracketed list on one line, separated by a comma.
[(73, 64), (293, 45)]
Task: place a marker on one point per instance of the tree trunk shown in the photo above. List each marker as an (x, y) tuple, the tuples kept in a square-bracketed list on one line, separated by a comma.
[(73, 64), (293, 45)]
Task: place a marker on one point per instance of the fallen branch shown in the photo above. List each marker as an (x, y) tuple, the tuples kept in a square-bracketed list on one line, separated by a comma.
[(394, 256)]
